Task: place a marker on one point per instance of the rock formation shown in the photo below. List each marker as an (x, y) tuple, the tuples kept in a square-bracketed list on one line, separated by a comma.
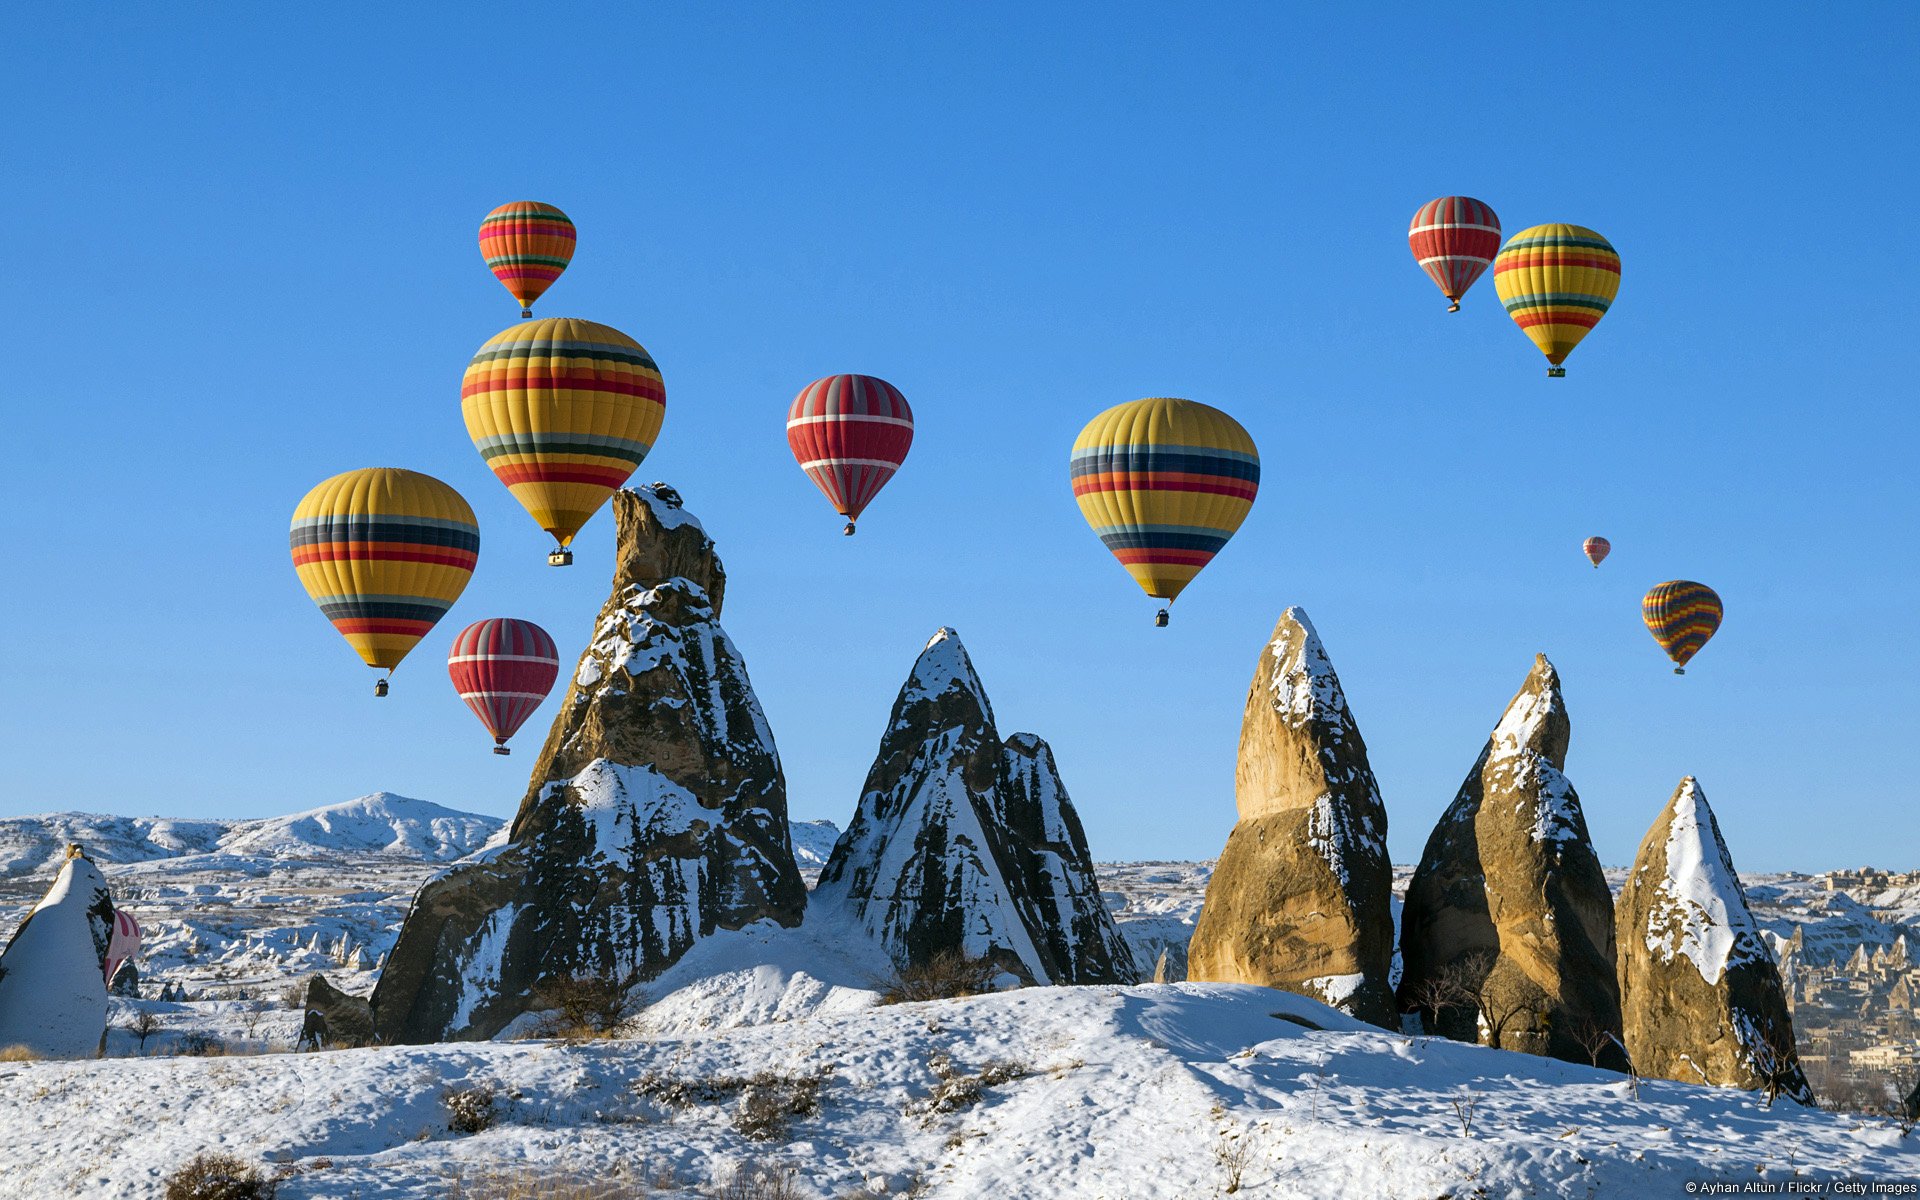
[(335, 1019), (1507, 933), (1699, 989), (657, 812), (1302, 897), (962, 841), (53, 987)]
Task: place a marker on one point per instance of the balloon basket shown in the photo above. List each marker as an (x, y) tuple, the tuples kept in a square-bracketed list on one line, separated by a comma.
[(848, 531), (1454, 307), (1679, 670), (1556, 372), (525, 313), (502, 750), (379, 687), (560, 557), (1160, 619)]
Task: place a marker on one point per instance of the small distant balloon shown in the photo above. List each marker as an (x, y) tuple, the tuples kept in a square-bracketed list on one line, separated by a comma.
[(1454, 240), (849, 433), (1681, 615), (503, 668), (527, 244), (1557, 281), (1164, 483), (1596, 549)]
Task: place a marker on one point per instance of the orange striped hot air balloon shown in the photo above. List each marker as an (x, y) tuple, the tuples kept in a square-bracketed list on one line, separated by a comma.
[(1596, 549), (1557, 281), (1681, 615), (527, 244)]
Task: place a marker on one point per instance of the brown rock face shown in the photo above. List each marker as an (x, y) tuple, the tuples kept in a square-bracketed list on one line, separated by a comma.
[(656, 815), (1699, 988), (335, 1019), (1302, 896), (1506, 937)]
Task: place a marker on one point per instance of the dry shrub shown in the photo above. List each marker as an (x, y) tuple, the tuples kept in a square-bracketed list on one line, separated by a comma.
[(556, 1183), (757, 1183), (769, 1101), (200, 1045), (582, 1008), (472, 1109), (219, 1177), (18, 1054), (957, 1089), (948, 975)]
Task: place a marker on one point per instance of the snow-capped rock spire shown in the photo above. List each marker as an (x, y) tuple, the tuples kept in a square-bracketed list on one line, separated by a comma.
[(964, 842), (1700, 991), (1302, 896), (1508, 913), (53, 993)]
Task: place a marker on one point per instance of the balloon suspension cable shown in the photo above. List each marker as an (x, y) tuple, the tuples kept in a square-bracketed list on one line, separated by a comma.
[(848, 531), (1454, 307), (1160, 619), (559, 556)]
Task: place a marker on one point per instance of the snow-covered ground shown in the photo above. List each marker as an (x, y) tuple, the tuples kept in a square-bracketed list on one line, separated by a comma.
[(1149, 1091)]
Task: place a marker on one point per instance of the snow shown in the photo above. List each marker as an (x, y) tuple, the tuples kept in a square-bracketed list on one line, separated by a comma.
[(1303, 684), (53, 998), (664, 503), (1113, 1092), (813, 843), (1699, 908), (943, 666)]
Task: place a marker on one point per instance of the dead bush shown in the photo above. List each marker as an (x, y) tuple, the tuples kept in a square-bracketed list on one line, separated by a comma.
[(768, 1101), (196, 1044), (219, 1177), (471, 1109), (946, 976), (957, 1089), (9, 1054), (294, 996), (757, 1183), (585, 1007), (538, 1183)]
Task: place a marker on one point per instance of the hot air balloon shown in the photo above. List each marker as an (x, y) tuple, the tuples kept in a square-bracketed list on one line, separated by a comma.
[(1596, 549), (1557, 281), (384, 553), (850, 433), (1454, 240), (526, 244), (122, 944), (1164, 483), (1681, 615), (563, 411), (503, 668)]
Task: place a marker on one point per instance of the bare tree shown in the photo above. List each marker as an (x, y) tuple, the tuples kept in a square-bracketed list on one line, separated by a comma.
[(1453, 987), (1463, 1106), (1776, 1064), (143, 1026)]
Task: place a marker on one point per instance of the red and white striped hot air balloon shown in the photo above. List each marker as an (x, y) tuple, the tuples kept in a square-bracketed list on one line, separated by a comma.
[(1596, 549), (503, 668), (1454, 240), (850, 433), (123, 944)]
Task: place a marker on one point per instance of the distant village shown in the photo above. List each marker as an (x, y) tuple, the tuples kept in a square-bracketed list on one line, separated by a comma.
[(1853, 1005)]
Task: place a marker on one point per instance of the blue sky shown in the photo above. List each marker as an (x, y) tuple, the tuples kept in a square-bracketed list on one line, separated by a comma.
[(241, 259)]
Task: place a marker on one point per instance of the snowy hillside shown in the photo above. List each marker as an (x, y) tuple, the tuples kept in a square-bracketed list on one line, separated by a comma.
[(380, 824), (1157, 1091)]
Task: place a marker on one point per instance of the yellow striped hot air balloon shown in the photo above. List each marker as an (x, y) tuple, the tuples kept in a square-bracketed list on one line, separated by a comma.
[(563, 410), (1557, 281), (1164, 483), (384, 553)]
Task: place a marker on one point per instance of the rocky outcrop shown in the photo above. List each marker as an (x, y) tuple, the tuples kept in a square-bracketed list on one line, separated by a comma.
[(1700, 992), (657, 812), (335, 1019), (1507, 933), (963, 841), (1302, 897), (53, 987)]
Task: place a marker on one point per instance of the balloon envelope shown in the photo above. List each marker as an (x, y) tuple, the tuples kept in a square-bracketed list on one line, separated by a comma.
[(527, 244), (850, 433), (1681, 615), (562, 410), (1454, 240), (503, 668), (1557, 281), (1596, 549), (384, 553), (1164, 483), (122, 944)]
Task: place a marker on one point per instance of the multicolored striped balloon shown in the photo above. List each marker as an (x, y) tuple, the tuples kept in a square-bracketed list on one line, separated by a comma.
[(1164, 483), (384, 553), (1454, 240), (850, 433), (1596, 549), (1557, 281), (527, 244), (503, 668), (563, 411), (1681, 615), (122, 944)]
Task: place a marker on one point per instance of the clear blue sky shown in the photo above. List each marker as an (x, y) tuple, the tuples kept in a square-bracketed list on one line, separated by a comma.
[(240, 258)]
